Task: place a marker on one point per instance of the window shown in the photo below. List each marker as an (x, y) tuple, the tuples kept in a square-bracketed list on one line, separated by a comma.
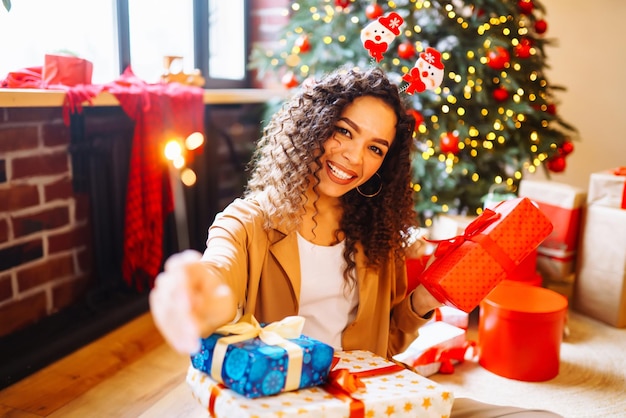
[(210, 35), (227, 46)]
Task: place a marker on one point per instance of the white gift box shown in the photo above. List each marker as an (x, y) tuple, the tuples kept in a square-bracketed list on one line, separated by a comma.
[(600, 285), (562, 204), (436, 336), (608, 188), (399, 394), (452, 316)]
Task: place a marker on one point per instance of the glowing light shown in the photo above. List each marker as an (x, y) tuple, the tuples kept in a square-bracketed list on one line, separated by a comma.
[(178, 162), (194, 141), (173, 150), (188, 177)]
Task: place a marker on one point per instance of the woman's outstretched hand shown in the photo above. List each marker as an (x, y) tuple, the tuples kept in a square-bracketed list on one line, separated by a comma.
[(187, 303)]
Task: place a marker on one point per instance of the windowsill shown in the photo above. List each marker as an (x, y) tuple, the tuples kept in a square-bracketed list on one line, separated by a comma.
[(51, 98)]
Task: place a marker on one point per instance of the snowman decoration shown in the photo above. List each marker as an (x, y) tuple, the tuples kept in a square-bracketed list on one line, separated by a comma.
[(427, 73), (378, 34)]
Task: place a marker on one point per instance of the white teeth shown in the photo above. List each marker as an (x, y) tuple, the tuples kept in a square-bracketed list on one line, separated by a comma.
[(341, 174)]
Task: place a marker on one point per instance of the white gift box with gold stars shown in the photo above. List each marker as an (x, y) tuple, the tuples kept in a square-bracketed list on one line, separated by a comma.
[(401, 393)]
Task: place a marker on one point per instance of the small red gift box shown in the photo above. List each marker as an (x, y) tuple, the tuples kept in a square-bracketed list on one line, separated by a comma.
[(467, 267), (67, 70)]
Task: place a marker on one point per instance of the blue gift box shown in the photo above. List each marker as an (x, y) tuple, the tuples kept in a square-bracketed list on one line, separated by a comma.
[(255, 369)]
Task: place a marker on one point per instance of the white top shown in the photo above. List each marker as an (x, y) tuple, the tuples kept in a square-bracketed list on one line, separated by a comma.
[(327, 305)]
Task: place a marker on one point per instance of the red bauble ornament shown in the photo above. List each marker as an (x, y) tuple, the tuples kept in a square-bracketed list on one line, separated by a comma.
[(289, 80), (373, 11), (498, 58), (566, 148), (449, 143), (500, 94), (551, 109), (406, 50), (541, 26), (419, 119), (342, 3), (526, 6), (557, 164), (303, 44), (522, 50)]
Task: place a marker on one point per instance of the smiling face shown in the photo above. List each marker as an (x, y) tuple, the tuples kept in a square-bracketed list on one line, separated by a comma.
[(362, 137), (377, 32)]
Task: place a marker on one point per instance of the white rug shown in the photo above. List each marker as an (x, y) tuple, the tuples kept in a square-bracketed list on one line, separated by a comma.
[(591, 380)]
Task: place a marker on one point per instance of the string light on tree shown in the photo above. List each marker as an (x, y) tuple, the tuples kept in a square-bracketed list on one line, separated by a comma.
[(494, 97)]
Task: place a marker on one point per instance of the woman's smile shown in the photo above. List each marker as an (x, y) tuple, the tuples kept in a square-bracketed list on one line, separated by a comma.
[(339, 174)]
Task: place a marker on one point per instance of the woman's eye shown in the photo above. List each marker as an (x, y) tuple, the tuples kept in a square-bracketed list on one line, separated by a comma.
[(377, 150), (342, 131)]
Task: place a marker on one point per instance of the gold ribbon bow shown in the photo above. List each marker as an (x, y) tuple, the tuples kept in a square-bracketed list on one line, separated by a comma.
[(276, 333)]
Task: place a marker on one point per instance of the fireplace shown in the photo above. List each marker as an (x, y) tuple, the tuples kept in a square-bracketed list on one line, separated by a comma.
[(61, 239)]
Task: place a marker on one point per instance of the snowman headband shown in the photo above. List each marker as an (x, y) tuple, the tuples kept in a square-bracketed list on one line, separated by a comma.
[(426, 74)]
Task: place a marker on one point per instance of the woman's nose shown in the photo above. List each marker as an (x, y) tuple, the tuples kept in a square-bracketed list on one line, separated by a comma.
[(353, 152)]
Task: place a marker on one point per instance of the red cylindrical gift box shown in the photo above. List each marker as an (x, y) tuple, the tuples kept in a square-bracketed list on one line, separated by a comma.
[(520, 330)]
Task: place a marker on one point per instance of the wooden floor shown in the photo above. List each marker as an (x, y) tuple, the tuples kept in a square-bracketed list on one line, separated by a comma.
[(130, 372)]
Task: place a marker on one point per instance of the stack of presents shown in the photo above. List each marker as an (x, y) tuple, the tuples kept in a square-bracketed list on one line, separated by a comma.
[(519, 266)]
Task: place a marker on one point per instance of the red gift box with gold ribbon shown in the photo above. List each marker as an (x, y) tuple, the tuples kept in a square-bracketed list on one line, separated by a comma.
[(464, 269)]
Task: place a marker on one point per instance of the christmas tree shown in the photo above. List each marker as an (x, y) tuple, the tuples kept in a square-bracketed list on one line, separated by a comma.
[(492, 119)]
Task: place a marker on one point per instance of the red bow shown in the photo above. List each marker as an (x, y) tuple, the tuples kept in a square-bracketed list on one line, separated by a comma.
[(376, 50), (473, 229), (342, 383), (415, 81), (445, 356), (620, 171)]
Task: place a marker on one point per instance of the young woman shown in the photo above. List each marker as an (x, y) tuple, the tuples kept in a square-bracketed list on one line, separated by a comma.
[(320, 231)]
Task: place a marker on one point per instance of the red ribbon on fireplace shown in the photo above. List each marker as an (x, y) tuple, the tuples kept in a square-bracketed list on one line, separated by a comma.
[(158, 110)]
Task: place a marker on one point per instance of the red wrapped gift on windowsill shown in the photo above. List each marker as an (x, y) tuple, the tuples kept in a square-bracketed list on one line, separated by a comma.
[(464, 269)]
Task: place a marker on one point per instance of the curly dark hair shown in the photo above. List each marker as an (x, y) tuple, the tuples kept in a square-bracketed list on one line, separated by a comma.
[(288, 153)]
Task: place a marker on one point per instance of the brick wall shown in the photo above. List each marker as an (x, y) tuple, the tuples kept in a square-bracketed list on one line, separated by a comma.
[(45, 238)]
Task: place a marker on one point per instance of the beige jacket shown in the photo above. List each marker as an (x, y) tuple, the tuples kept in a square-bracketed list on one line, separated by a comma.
[(263, 269)]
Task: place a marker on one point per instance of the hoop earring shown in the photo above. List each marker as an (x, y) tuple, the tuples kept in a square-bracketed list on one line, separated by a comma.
[(380, 188)]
